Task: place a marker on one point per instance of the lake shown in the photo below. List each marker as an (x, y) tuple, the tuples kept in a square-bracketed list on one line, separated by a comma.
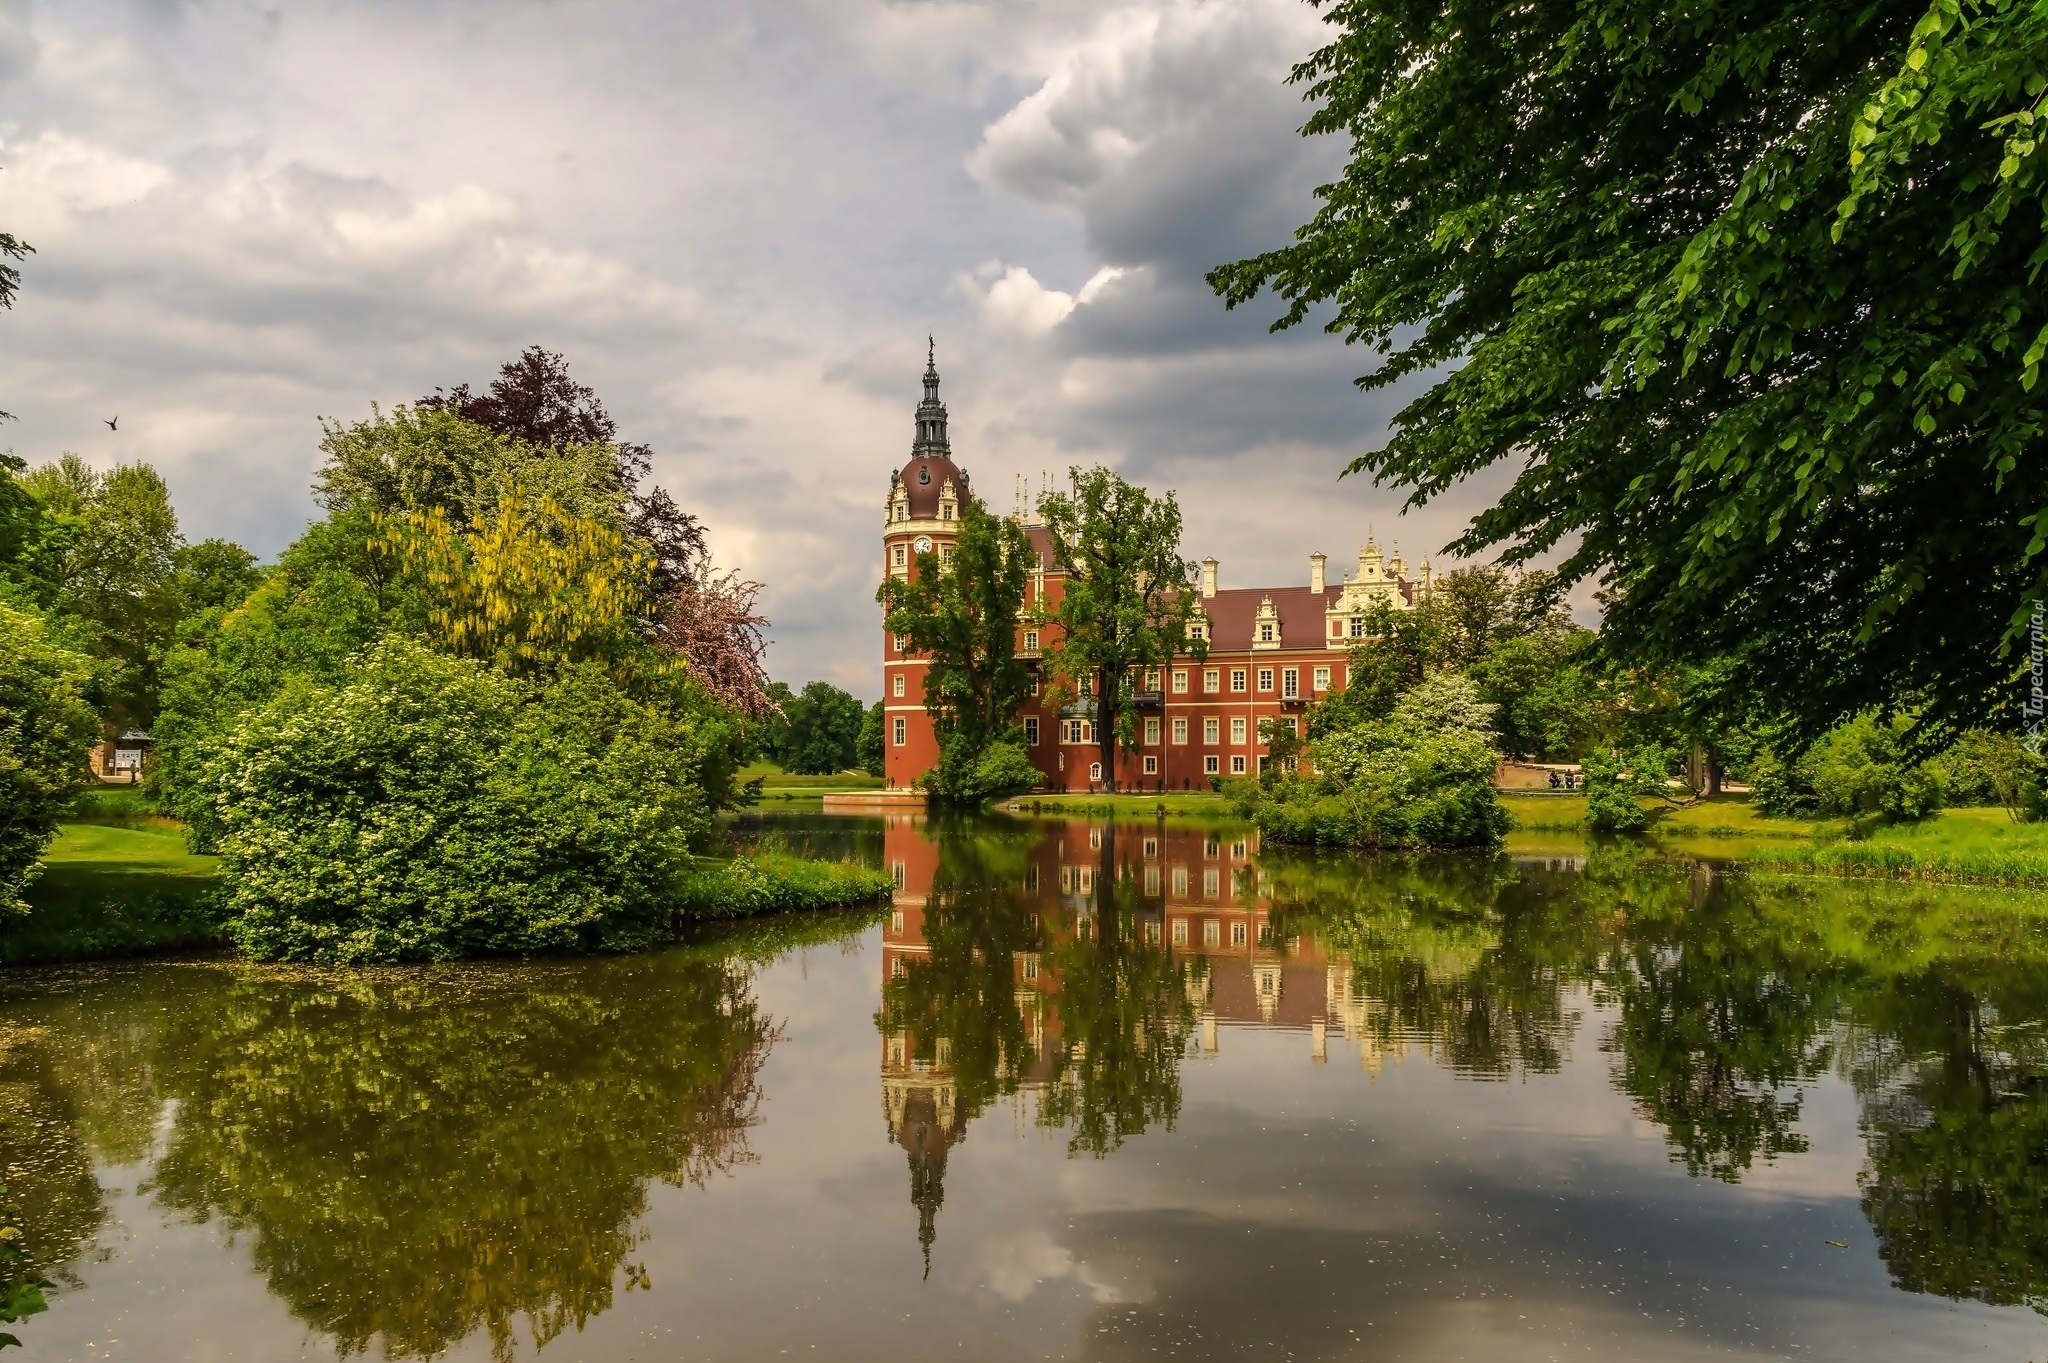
[(1122, 1090)]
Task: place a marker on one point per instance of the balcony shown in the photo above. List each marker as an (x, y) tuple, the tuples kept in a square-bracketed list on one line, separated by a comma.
[(1148, 700)]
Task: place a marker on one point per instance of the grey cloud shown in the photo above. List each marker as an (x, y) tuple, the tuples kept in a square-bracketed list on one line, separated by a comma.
[(242, 225)]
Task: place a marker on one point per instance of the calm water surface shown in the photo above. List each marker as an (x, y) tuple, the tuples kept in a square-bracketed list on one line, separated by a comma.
[(1083, 1091)]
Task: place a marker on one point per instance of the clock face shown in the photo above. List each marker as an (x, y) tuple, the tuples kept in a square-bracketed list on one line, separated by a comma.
[(924, 544)]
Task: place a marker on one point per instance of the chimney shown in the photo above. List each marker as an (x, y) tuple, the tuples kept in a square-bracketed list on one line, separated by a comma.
[(1208, 577), (1315, 572)]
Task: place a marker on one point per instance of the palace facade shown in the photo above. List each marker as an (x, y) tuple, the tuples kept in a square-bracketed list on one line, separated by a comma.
[(1271, 650)]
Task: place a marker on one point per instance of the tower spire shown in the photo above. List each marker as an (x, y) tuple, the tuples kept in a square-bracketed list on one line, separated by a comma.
[(931, 413)]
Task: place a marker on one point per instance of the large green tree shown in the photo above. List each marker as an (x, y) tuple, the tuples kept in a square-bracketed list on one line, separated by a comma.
[(1129, 601), (47, 729), (1747, 293), (12, 248), (821, 733), (963, 615)]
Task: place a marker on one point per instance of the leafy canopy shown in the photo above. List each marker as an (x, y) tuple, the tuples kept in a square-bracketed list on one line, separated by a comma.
[(963, 614), (425, 807), (1746, 291), (48, 725), (1130, 601)]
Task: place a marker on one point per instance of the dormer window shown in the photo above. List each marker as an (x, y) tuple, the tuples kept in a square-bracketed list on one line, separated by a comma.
[(946, 512), (1265, 634)]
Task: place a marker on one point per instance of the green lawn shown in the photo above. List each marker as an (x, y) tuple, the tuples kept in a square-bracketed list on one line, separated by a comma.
[(1981, 846), (115, 889), (779, 784), (157, 849), (1722, 816)]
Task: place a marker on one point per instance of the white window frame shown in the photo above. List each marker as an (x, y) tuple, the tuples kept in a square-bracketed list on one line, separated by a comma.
[(1180, 681), (1290, 683), (1237, 681), (1031, 731), (1237, 764), (1265, 679), (1151, 765), (1180, 729), (1212, 766), (1151, 733), (899, 730), (896, 686), (1237, 730), (1095, 771), (1321, 679), (1031, 641), (1212, 730), (1212, 681)]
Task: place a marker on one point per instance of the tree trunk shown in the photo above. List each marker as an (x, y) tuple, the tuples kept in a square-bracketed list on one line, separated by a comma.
[(1106, 688)]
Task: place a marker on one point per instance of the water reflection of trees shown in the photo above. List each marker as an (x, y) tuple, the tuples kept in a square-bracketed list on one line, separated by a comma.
[(1434, 956), (414, 1156), (1030, 988), (1125, 1016), (46, 1164), (417, 1157)]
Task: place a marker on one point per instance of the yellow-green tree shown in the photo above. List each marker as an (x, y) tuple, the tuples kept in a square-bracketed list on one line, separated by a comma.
[(529, 588)]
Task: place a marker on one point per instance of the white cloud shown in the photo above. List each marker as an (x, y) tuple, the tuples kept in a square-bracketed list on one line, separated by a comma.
[(1014, 303)]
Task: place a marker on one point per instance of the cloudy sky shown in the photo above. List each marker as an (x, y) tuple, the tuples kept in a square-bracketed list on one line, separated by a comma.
[(738, 220)]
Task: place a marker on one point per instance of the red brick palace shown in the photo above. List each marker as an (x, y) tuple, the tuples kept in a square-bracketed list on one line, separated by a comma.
[(1272, 650)]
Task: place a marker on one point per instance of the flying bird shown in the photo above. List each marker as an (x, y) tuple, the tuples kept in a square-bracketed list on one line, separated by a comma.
[(115, 424)]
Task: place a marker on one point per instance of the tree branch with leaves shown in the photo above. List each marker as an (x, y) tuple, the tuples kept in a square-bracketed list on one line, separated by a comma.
[(1129, 602)]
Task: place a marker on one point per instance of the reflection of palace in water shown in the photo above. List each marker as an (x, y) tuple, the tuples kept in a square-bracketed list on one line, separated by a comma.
[(1199, 900)]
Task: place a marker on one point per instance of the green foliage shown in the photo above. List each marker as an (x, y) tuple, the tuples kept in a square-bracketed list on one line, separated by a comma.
[(423, 459), (111, 561), (819, 734), (424, 808), (1616, 783), (1130, 600), (31, 540), (776, 883), (963, 615), (214, 575), (1863, 770), (1510, 634), (47, 730), (872, 745), (1747, 297), (1421, 777), (1996, 768)]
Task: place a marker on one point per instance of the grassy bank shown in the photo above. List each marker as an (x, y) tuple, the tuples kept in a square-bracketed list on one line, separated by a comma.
[(1964, 846), (775, 882), (781, 787), (1721, 816), (116, 882)]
